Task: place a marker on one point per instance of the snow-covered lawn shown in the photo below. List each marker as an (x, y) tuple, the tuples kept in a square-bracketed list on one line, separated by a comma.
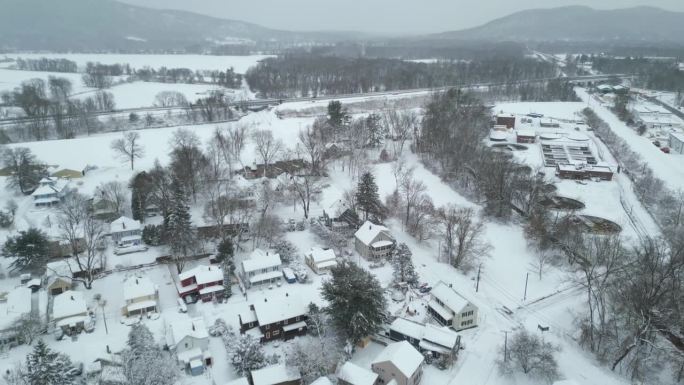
[(142, 94), (10, 79)]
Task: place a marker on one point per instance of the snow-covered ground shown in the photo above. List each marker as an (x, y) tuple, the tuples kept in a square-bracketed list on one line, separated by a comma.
[(142, 94), (503, 272), (194, 62), (10, 79)]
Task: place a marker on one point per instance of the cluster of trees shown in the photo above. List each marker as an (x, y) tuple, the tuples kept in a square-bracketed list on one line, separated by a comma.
[(658, 74), (228, 78), (312, 75), (43, 366), (47, 64), (548, 91)]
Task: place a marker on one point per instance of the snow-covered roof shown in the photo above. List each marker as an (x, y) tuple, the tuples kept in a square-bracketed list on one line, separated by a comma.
[(68, 304), (124, 224), (181, 326), (677, 135), (18, 305), (442, 336), (449, 297), (50, 187), (408, 328), (318, 255), (566, 382), (203, 274), (498, 135), (322, 381), (259, 260), (137, 287), (526, 132), (403, 356), (279, 309), (275, 374), (356, 375), (369, 231), (239, 381)]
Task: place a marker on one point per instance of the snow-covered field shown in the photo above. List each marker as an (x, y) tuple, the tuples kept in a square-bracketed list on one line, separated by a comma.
[(10, 79), (504, 271), (194, 62), (142, 94)]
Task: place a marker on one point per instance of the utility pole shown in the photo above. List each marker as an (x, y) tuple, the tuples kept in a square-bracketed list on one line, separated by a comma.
[(505, 345), (527, 278), (477, 284), (104, 317)]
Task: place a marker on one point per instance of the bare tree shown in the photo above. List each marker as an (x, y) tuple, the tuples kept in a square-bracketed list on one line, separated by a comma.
[(128, 147), (411, 191), (531, 355), (115, 194), (305, 188), (267, 147), (311, 144), (463, 235), (400, 126)]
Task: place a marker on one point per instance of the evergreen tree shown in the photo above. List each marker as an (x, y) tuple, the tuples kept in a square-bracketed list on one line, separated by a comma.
[(367, 198), (247, 355), (336, 113), (30, 248), (403, 269), (224, 254), (144, 361), (180, 234), (153, 235), (286, 249), (357, 302), (141, 189), (47, 367), (375, 131)]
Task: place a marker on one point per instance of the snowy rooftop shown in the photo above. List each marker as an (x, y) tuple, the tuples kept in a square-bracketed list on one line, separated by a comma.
[(404, 357), (356, 375), (18, 304), (259, 260), (69, 304), (279, 309), (322, 381), (137, 287), (319, 255), (442, 336), (678, 135), (526, 132), (181, 326), (124, 224), (51, 187), (275, 374), (369, 231), (449, 297), (239, 381), (203, 274)]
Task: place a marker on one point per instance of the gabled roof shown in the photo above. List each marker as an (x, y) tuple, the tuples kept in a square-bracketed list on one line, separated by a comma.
[(403, 356), (356, 375), (279, 309), (181, 326), (203, 274), (124, 224), (137, 287), (50, 186), (322, 381), (275, 374), (68, 304), (442, 336), (369, 231), (260, 259), (317, 254), (449, 297), (239, 381)]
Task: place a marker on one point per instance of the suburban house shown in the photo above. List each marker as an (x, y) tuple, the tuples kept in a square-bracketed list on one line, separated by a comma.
[(451, 309), (50, 191), (341, 217), (140, 295), (262, 268), (507, 120), (399, 362), (352, 374), (320, 260), (126, 231), (436, 341), (70, 312), (58, 278), (525, 136), (281, 318), (188, 338), (14, 305), (200, 283), (677, 142), (276, 375), (374, 241)]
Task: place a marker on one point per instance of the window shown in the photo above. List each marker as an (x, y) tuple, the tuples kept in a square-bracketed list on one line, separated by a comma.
[(268, 327), (297, 319), (276, 332), (285, 322), (268, 335)]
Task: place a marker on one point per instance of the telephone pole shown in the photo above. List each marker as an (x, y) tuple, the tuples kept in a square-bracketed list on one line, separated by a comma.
[(505, 345), (477, 284), (527, 278)]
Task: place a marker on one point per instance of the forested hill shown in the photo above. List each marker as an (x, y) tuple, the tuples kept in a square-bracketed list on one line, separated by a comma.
[(106, 25), (576, 23)]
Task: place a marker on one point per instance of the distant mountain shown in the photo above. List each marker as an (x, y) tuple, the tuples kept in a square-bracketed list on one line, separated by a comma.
[(87, 25), (577, 23)]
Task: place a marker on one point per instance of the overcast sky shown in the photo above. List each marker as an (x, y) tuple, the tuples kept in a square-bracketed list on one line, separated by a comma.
[(384, 16)]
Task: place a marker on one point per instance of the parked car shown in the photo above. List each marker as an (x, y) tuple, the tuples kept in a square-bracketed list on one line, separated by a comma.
[(425, 289), (129, 249), (665, 149), (656, 143)]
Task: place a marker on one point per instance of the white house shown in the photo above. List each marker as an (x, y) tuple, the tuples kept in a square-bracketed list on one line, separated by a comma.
[(399, 362), (189, 339), (373, 241), (427, 338), (50, 192), (320, 260), (70, 312), (276, 375), (126, 231), (14, 305), (352, 374), (262, 268), (140, 296), (451, 309), (677, 142)]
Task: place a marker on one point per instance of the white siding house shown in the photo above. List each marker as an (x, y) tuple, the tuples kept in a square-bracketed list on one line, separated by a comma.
[(399, 362), (70, 312), (189, 339), (51, 191), (320, 260), (126, 231), (140, 296), (451, 309), (262, 268), (374, 241)]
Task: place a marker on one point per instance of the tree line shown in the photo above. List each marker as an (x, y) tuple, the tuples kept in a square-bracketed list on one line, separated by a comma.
[(47, 65)]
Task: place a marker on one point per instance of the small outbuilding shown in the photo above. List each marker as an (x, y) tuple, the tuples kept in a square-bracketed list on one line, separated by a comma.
[(321, 260)]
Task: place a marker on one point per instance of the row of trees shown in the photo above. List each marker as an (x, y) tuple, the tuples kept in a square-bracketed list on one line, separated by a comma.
[(47, 65), (312, 75), (228, 78)]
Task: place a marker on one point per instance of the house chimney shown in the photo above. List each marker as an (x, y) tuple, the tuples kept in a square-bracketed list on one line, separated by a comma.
[(370, 227), (265, 299), (287, 294), (193, 326), (72, 298), (136, 281)]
